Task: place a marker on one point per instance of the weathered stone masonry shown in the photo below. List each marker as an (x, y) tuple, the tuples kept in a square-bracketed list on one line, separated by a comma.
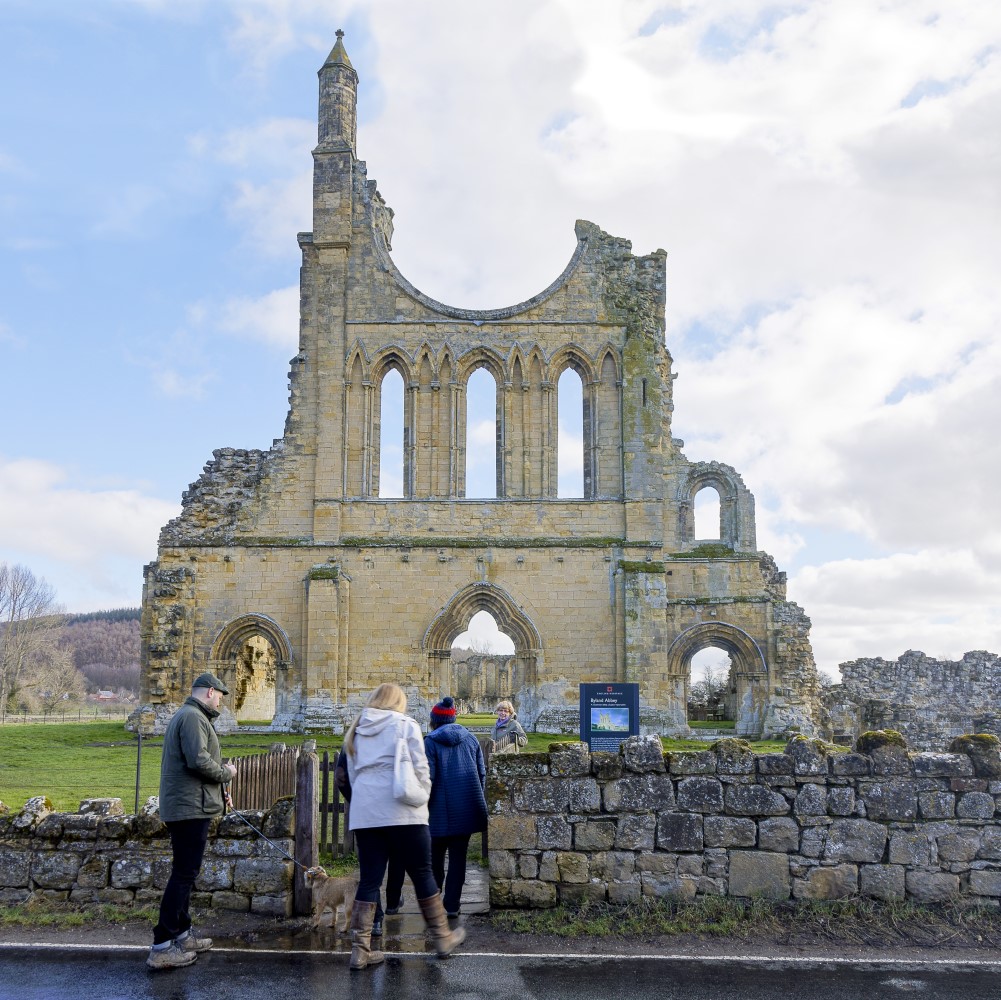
[(294, 549), (809, 823), (929, 701), (101, 855)]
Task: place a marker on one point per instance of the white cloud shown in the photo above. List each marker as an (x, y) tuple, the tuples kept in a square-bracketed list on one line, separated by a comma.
[(175, 384), (271, 214), (271, 319), (7, 336), (81, 538), (125, 212), (941, 601), (275, 144)]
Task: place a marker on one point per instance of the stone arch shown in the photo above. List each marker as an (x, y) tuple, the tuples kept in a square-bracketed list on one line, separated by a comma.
[(736, 505), (481, 357), (355, 356), (750, 669), (251, 655), (572, 356), (453, 620), (388, 359)]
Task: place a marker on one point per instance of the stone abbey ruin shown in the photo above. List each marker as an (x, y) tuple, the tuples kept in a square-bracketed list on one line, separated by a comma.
[(288, 575)]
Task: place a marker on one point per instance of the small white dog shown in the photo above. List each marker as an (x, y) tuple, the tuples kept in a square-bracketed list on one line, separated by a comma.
[(330, 893)]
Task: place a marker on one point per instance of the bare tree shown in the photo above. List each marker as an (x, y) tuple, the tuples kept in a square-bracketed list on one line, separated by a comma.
[(30, 621), (712, 686), (53, 678)]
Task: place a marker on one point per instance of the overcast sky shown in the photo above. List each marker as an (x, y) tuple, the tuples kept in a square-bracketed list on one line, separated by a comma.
[(825, 178)]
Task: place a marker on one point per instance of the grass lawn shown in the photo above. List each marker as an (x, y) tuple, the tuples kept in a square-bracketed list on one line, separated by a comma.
[(74, 761), (69, 761)]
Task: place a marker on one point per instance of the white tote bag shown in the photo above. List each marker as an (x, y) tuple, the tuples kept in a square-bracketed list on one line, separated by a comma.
[(406, 787)]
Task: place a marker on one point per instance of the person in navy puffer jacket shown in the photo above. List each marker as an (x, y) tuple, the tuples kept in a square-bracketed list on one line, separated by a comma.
[(458, 807)]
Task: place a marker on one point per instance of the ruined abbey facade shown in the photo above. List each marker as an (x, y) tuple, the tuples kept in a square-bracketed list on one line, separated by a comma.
[(288, 575)]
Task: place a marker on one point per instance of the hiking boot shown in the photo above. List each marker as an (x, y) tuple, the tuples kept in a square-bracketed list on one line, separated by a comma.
[(173, 957), (189, 942)]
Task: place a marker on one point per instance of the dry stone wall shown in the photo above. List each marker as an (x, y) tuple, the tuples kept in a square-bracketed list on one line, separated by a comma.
[(813, 822), (102, 855)]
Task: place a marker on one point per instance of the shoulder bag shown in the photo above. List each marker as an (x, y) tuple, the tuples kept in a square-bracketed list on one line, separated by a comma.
[(406, 788)]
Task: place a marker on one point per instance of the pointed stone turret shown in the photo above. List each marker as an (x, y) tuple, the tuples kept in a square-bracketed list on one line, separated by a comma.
[(338, 120), (334, 156)]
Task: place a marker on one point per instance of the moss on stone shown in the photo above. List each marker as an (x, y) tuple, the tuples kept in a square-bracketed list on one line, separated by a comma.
[(641, 567), (437, 542), (874, 739), (822, 747), (565, 746), (712, 550), (272, 541), (974, 741), (324, 573), (731, 746)]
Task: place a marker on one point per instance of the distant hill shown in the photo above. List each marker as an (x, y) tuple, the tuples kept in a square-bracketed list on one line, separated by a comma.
[(105, 648)]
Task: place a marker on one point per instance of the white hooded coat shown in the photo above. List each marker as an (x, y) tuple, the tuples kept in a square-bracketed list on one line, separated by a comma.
[(370, 770)]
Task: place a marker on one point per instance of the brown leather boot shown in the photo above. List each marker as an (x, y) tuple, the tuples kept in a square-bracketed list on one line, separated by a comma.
[(445, 941), (361, 936)]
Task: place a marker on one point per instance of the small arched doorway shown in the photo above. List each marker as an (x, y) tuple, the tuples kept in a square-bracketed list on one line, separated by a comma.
[(709, 684), (482, 665), (747, 693), (250, 655), (519, 669)]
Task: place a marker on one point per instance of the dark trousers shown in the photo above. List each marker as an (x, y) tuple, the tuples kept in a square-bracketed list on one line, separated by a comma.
[(394, 882), (456, 848), (187, 841), (411, 845)]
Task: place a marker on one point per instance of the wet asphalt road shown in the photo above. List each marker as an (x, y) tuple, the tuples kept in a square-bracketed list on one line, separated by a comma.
[(32, 974)]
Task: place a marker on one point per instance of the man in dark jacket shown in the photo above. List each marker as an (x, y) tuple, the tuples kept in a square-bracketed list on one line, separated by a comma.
[(192, 779), (458, 807)]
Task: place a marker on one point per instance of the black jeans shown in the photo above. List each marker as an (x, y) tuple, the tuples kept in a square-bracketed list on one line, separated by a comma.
[(187, 841), (377, 844), (456, 848), (394, 882)]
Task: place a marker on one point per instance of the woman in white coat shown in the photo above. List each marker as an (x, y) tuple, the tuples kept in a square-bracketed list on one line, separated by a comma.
[(384, 826)]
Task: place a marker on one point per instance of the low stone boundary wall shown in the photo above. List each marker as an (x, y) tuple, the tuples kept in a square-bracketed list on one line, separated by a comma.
[(102, 855), (814, 822)]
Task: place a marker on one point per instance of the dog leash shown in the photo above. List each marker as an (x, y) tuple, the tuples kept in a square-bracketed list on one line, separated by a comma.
[(236, 812)]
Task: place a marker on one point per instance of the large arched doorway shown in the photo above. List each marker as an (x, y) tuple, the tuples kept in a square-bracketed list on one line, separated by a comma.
[(748, 674), (250, 655), (519, 669)]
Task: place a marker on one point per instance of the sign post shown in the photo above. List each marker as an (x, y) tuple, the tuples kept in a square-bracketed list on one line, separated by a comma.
[(609, 714)]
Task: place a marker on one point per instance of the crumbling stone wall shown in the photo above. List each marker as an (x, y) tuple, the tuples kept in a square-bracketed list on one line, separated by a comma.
[(929, 701), (102, 855), (813, 822), (352, 588)]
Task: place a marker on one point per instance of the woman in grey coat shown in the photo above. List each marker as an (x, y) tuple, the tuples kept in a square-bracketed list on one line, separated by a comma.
[(509, 737)]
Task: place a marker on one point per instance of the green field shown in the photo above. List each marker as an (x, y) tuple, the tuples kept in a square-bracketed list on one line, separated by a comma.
[(74, 761)]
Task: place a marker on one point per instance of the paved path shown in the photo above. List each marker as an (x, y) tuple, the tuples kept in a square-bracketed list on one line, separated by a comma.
[(120, 974)]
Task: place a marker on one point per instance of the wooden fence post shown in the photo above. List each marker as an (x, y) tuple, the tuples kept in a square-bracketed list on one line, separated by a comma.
[(306, 852), (487, 746)]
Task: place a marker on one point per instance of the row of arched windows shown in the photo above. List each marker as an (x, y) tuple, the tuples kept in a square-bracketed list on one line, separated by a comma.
[(481, 466)]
